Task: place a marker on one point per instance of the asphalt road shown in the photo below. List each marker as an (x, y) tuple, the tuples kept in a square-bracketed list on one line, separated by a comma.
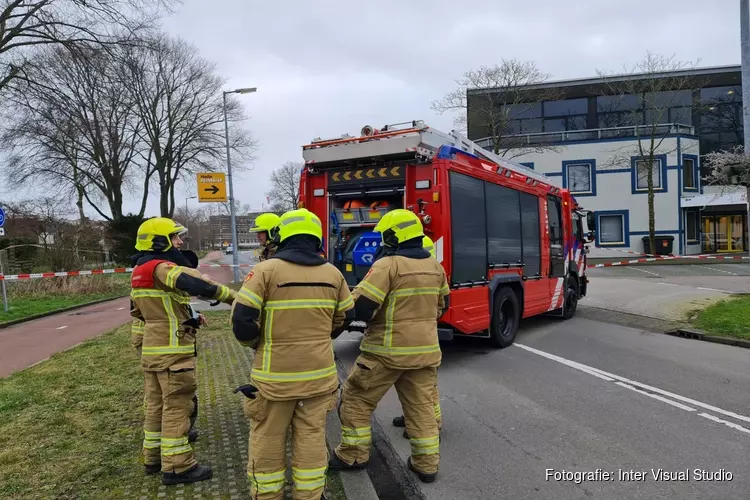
[(544, 403), (731, 278)]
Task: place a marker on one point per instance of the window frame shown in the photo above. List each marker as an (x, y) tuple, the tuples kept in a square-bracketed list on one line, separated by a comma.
[(634, 160), (591, 164), (696, 215), (625, 215), (696, 173)]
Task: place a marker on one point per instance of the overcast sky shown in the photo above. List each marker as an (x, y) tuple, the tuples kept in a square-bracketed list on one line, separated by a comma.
[(329, 67)]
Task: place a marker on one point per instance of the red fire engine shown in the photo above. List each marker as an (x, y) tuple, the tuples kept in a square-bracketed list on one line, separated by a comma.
[(511, 243)]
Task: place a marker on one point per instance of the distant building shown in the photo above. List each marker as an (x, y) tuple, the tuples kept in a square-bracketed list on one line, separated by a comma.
[(221, 230), (587, 140)]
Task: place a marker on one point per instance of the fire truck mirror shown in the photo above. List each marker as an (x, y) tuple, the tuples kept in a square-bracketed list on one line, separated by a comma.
[(590, 220)]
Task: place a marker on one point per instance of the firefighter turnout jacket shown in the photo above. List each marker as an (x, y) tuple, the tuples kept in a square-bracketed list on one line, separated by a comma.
[(401, 299), (160, 297), (269, 250), (289, 309)]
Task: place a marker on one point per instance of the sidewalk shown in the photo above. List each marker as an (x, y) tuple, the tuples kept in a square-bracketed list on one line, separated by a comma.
[(653, 298), (30, 342)]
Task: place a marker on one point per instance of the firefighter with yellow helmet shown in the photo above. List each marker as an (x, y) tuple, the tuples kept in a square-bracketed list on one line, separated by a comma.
[(400, 299), (428, 245), (290, 309), (162, 282), (266, 225)]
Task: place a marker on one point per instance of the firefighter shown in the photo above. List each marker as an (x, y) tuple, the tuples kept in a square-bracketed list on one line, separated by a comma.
[(136, 339), (266, 225), (290, 309), (400, 298), (428, 245), (162, 282)]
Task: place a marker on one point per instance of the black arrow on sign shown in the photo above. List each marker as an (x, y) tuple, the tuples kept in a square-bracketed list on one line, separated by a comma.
[(213, 189)]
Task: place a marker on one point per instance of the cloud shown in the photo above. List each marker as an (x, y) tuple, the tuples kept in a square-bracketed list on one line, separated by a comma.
[(329, 67)]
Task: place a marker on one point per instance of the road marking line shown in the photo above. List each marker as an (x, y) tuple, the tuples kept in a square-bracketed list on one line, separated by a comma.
[(586, 368), (659, 398), (728, 424), (720, 270), (61, 327), (643, 271), (120, 308)]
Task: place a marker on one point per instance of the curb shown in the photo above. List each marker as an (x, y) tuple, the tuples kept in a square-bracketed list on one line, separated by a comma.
[(386, 476), (656, 325), (691, 333), (56, 311)]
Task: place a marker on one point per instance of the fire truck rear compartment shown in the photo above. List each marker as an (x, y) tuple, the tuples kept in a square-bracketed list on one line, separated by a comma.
[(353, 216)]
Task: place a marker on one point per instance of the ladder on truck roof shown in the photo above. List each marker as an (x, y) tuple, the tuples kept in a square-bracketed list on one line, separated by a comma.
[(414, 139)]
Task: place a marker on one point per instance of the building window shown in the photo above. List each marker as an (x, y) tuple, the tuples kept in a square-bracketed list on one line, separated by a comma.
[(639, 175), (691, 226), (688, 173), (580, 177), (613, 228)]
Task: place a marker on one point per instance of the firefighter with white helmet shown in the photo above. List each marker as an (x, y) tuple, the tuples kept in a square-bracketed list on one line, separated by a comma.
[(290, 309), (266, 225), (400, 299), (162, 282)]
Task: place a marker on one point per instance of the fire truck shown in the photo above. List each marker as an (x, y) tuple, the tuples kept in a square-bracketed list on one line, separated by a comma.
[(512, 244)]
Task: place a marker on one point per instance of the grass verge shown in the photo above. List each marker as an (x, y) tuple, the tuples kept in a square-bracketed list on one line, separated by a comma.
[(728, 318), (70, 427), (29, 298)]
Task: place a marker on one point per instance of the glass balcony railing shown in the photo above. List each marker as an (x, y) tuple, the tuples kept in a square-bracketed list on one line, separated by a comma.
[(522, 140)]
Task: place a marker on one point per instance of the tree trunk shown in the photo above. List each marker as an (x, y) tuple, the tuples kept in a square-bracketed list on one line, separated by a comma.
[(651, 216)]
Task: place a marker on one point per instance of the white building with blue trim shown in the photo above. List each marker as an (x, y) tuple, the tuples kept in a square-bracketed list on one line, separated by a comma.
[(597, 146)]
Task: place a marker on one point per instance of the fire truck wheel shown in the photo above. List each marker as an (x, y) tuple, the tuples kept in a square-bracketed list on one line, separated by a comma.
[(505, 318), (571, 298)]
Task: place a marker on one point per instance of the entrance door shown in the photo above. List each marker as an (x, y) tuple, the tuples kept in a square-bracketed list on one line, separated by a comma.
[(736, 233)]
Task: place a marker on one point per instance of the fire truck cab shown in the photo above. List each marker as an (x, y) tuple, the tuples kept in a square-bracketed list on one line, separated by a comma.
[(512, 244)]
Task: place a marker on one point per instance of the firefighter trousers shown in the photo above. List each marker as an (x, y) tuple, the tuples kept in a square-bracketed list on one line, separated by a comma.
[(366, 385), (270, 422), (170, 403)]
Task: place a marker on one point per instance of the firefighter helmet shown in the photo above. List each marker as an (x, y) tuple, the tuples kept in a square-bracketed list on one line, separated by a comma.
[(428, 245), (300, 221), (398, 226), (155, 234), (268, 222), (352, 204)]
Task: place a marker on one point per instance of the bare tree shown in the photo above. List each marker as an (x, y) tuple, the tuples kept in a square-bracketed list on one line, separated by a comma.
[(643, 97), (494, 96), (29, 24), (179, 100), (73, 125), (284, 193)]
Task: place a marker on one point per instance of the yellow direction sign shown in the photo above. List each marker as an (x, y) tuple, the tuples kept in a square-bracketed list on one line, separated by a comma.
[(212, 186)]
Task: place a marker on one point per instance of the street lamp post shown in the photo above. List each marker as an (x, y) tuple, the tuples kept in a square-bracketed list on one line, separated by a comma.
[(235, 249)]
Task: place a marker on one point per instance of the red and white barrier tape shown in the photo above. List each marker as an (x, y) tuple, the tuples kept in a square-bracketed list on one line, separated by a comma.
[(117, 270), (675, 257)]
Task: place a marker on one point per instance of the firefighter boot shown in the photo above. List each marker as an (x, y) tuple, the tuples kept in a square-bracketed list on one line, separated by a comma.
[(399, 421), (198, 472), (424, 477)]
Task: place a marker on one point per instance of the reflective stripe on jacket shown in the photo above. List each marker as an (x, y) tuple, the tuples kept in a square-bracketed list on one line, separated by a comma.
[(169, 324), (410, 294), (299, 307)]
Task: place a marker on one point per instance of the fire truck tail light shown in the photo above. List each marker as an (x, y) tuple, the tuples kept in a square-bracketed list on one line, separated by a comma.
[(319, 192), (423, 184)]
